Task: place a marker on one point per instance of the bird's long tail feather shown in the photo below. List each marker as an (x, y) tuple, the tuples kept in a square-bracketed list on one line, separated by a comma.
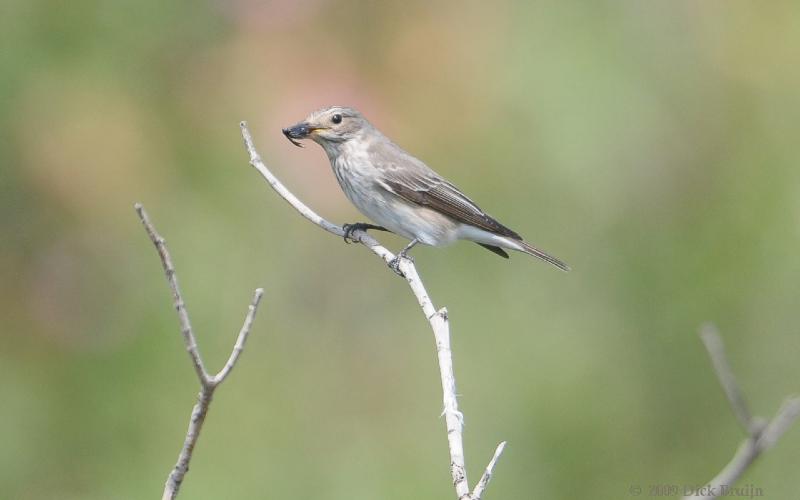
[(531, 250)]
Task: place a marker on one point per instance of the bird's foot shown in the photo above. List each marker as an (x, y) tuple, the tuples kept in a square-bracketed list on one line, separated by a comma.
[(349, 229), (394, 264)]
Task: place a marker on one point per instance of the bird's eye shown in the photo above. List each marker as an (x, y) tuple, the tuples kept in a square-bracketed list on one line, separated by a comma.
[(337, 118)]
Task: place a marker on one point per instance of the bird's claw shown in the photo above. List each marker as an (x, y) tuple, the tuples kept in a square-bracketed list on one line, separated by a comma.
[(394, 264), (348, 232), (349, 229)]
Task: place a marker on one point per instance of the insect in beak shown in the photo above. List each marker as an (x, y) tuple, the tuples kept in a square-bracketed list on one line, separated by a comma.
[(296, 132)]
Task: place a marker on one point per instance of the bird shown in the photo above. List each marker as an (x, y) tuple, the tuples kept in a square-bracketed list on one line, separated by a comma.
[(399, 192)]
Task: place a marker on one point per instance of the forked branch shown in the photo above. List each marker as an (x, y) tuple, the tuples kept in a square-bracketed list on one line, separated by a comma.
[(437, 319), (761, 434), (208, 382)]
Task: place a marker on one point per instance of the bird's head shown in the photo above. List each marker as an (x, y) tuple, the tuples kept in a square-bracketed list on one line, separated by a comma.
[(328, 127)]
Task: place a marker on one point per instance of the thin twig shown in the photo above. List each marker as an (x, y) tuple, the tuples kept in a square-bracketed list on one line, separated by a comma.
[(787, 414), (716, 351), (761, 435), (208, 382), (487, 474), (244, 332), (180, 305), (437, 320), (453, 418)]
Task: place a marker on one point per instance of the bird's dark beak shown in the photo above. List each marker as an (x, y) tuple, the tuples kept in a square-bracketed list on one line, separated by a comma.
[(297, 132)]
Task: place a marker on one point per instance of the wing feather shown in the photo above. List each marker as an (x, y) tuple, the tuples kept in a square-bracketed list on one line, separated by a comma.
[(412, 180), (445, 198)]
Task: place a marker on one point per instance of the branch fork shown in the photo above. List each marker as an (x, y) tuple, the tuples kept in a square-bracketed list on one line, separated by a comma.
[(761, 433), (208, 382)]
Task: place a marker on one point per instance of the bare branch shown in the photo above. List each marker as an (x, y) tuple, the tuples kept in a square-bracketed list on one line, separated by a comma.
[(453, 418), (361, 236), (208, 383), (487, 474), (241, 339), (787, 414), (180, 305), (716, 350), (438, 322), (761, 435), (175, 478)]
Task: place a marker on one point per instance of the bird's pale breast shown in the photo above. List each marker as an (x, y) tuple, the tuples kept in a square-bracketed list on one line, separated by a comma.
[(361, 183)]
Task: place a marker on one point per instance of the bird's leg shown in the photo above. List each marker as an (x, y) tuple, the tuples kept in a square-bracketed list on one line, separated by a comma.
[(394, 265), (358, 226)]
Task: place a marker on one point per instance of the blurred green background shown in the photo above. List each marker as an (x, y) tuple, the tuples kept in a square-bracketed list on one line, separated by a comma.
[(652, 145)]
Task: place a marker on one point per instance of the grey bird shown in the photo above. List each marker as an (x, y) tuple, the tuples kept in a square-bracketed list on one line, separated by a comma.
[(400, 192)]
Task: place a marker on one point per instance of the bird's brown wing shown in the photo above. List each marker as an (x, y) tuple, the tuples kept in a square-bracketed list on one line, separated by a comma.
[(407, 177), (410, 179), (438, 194)]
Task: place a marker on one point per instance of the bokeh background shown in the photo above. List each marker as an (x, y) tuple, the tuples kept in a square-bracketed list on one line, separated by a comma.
[(652, 145)]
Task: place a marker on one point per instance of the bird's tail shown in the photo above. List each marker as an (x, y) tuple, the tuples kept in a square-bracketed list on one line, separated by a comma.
[(531, 250)]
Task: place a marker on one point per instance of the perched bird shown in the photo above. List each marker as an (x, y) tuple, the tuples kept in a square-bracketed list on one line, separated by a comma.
[(400, 192)]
